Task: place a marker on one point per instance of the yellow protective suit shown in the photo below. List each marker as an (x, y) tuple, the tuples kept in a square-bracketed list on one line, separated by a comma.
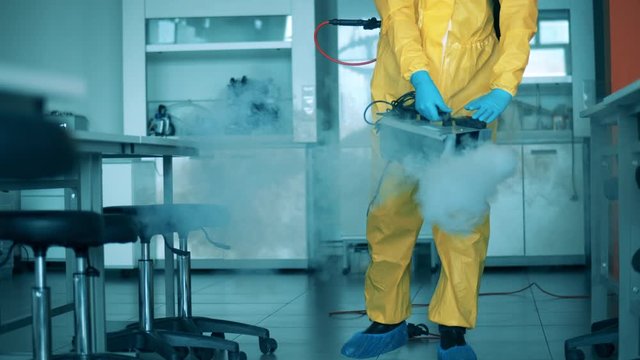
[(455, 42)]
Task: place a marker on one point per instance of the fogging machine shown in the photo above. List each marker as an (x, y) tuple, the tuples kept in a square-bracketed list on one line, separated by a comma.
[(404, 132)]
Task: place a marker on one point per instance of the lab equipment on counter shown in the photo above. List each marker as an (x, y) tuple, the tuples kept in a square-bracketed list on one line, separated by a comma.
[(68, 120), (161, 124), (253, 106)]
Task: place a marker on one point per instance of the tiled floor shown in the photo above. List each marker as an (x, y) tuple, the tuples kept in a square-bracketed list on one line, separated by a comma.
[(295, 307)]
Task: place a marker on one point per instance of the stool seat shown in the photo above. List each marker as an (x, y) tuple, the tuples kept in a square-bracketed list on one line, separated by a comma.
[(168, 218), (70, 229), (119, 229), (52, 228), (147, 221)]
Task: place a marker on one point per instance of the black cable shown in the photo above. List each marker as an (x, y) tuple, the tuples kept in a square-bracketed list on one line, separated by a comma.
[(421, 331), (364, 312), (26, 251), (534, 284), (173, 250), (90, 270), (402, 106), (364, 115), (214, 243)]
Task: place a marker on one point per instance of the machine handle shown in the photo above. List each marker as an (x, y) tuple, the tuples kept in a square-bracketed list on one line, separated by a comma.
[(368, 24), (544, 152)]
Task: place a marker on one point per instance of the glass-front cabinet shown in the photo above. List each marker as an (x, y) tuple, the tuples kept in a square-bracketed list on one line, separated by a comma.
[(239, 78), (543, 124), (543, 106), (202, 68), (228, 75)]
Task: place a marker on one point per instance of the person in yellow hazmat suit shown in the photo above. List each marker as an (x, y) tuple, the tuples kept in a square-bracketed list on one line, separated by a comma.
[(457, 62)]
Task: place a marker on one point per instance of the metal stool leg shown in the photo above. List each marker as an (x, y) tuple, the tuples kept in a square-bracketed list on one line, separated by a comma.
[(145, 267), (206, 325), (169, 277), (81, 306), (40, 307), (184, 279)]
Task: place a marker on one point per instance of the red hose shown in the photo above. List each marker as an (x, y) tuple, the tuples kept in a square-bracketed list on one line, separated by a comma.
[(315, 39)]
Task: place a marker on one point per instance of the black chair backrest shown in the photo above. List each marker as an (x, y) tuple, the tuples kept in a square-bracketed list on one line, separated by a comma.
[(31, 148)]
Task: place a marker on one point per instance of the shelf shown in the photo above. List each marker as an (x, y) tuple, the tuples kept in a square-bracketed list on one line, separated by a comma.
[(527, 137), (540, 80), (248, 45)]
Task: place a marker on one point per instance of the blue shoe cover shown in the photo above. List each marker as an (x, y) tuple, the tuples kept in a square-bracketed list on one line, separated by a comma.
[(464, 352), (362, 346)]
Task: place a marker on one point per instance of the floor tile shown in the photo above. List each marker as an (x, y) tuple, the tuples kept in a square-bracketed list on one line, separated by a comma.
[(295, 308), (564, 318), (509, 342), (564, 305), (564, 332), (263, 298)]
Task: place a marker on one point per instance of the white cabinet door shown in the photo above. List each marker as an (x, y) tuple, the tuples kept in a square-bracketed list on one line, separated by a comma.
[(264, 192), (507, 215), (355, 190), (554, 200)]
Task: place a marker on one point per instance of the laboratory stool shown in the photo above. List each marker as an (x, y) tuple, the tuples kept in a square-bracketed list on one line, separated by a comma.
[(77, 230), (182, 219), (33, 149), (604, 334), (147, 335), (603, 338)]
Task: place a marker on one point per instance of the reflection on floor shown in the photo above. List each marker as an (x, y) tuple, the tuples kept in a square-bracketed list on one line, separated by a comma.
[(295, 307)]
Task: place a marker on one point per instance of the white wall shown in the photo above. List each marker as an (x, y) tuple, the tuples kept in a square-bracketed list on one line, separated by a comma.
[(357, 9), (80, 38)]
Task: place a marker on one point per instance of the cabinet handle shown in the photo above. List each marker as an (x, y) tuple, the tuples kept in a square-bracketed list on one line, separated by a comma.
[(544, 152)]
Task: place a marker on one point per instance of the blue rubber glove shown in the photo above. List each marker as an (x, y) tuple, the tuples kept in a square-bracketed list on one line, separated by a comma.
[(489, 106), (429, 102)]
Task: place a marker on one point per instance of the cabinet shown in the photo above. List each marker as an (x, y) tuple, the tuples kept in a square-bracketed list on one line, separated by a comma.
[(507, 215), (184, 55), (127, 182), (553, 200), (264, 191), (538, 216)]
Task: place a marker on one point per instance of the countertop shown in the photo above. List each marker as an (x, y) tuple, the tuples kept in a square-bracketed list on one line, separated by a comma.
[(627, 96)]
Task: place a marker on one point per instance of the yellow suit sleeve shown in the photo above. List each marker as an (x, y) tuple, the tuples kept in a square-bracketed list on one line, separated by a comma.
[(399, 24), (518, 24)]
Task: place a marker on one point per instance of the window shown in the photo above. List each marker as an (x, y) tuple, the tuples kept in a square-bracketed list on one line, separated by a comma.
[(551, 47)]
